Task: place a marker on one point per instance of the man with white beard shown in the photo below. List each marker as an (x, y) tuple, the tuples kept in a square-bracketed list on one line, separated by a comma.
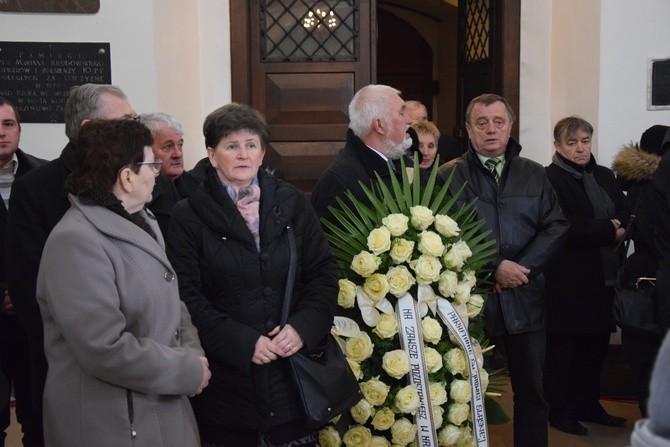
[(377, 136)]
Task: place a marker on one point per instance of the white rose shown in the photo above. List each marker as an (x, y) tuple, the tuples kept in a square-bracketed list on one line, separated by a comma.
[(379, 240), (375, 391), (433, 359), (427, 269), (469, 278), (458, 413), (438, 416), (395, 363), (407, 399), (462, 295), (422, 217), (376, 286), (359, 347), (403, 432), (447, 283), (448, 436), (396, 224), (365, 263), (400, 280), (456, 361), (446, 226), (438, 393), (401, 250), (431, 329), (346, 297), (361, 412), (475, 305), (466, 438), (457, 254), (387, 326), (430, 243), (357, 436), (329, 437), (460, 391), (383, 419), (378, 441)]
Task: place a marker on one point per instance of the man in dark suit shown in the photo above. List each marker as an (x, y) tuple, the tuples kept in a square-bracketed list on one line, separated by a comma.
[(14, 351), (37, 203), (377, 136)]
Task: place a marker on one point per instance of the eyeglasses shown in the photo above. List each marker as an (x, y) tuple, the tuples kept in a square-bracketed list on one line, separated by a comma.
[(154, 165)]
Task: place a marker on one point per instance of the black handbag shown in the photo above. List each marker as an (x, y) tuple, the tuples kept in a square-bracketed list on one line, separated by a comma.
[(634, 303), (325, 382)]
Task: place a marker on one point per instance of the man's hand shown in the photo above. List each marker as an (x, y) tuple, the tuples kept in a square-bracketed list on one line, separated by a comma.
[(509, 275)]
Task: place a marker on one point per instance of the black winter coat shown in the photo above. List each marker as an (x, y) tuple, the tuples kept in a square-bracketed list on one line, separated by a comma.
[(355, 162), (577, 298), (523, 214), (235, 294)]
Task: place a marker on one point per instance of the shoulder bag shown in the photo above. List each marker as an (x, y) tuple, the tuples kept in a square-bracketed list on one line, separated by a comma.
[(634, 304), (324, 380)]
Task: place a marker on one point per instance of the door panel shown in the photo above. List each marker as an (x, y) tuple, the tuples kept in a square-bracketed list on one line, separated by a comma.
[(301, 73)]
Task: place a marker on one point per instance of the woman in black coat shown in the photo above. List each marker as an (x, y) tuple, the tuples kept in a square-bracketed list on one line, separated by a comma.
[(580, 279), (228, 243), (635, 166)]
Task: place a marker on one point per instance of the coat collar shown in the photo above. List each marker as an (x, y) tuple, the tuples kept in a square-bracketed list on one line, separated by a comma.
[(369, 159), (116, 227)]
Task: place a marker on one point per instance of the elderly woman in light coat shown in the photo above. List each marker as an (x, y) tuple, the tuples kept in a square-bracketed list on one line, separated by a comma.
[(123, 355)]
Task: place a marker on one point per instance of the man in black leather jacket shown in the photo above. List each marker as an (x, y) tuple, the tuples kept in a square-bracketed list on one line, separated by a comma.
[(521, 209)]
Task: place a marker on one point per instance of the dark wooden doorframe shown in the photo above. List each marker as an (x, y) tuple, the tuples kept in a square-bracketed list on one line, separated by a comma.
[(500, 72)]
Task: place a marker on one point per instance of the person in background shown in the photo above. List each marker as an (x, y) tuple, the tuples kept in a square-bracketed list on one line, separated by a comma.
[(635, 165), (229, 245), (377, 136), (520, 208), (428, 137), (168, 147), (448, 147), (123, 354), (38, 202), (14, 348), (579, 310)]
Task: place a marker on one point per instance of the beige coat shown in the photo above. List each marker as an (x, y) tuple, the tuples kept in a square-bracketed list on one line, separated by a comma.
[(119, 342)]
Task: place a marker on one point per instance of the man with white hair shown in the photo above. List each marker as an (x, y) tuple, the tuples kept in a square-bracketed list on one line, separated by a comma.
[(377, 137), (168, 147)]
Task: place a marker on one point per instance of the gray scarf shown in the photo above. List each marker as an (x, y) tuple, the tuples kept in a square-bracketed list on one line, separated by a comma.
[(603, 208)]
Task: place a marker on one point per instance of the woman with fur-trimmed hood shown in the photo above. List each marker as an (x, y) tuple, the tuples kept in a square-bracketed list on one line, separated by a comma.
[(635, 165)]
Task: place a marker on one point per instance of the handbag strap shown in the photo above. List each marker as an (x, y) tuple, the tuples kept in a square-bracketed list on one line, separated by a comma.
[(290, 277), (628, 234)]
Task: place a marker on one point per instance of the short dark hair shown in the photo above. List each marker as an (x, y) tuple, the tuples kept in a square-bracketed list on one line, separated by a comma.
[(103, 148), (569, 125), (6, 102), (487, 99), (232, 118)]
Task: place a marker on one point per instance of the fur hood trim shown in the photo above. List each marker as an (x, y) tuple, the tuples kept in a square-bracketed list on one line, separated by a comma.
[(635, 164)]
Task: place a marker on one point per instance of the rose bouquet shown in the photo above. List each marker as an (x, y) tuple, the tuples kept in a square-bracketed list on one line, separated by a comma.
[(412, 279)]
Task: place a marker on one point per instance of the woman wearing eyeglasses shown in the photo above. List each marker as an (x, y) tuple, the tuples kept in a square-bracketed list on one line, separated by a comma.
[(123, 355)]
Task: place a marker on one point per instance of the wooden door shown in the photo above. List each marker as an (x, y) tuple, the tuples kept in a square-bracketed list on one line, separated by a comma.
[(488, 53), (300, 63)]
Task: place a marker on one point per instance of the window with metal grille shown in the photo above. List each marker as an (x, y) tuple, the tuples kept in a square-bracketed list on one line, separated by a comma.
[(309, 30), (477, 30)]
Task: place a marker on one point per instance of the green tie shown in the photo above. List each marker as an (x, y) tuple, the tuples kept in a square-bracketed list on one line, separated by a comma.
[(491, 165)]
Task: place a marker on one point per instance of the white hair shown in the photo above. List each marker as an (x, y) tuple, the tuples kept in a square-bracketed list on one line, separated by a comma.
[(371, 102)]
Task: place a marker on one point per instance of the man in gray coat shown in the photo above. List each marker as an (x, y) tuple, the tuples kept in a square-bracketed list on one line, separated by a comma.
[(520, 207)]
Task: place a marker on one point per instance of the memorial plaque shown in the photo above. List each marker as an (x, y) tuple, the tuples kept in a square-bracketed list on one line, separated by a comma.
[(59, 6), (37, 76)]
